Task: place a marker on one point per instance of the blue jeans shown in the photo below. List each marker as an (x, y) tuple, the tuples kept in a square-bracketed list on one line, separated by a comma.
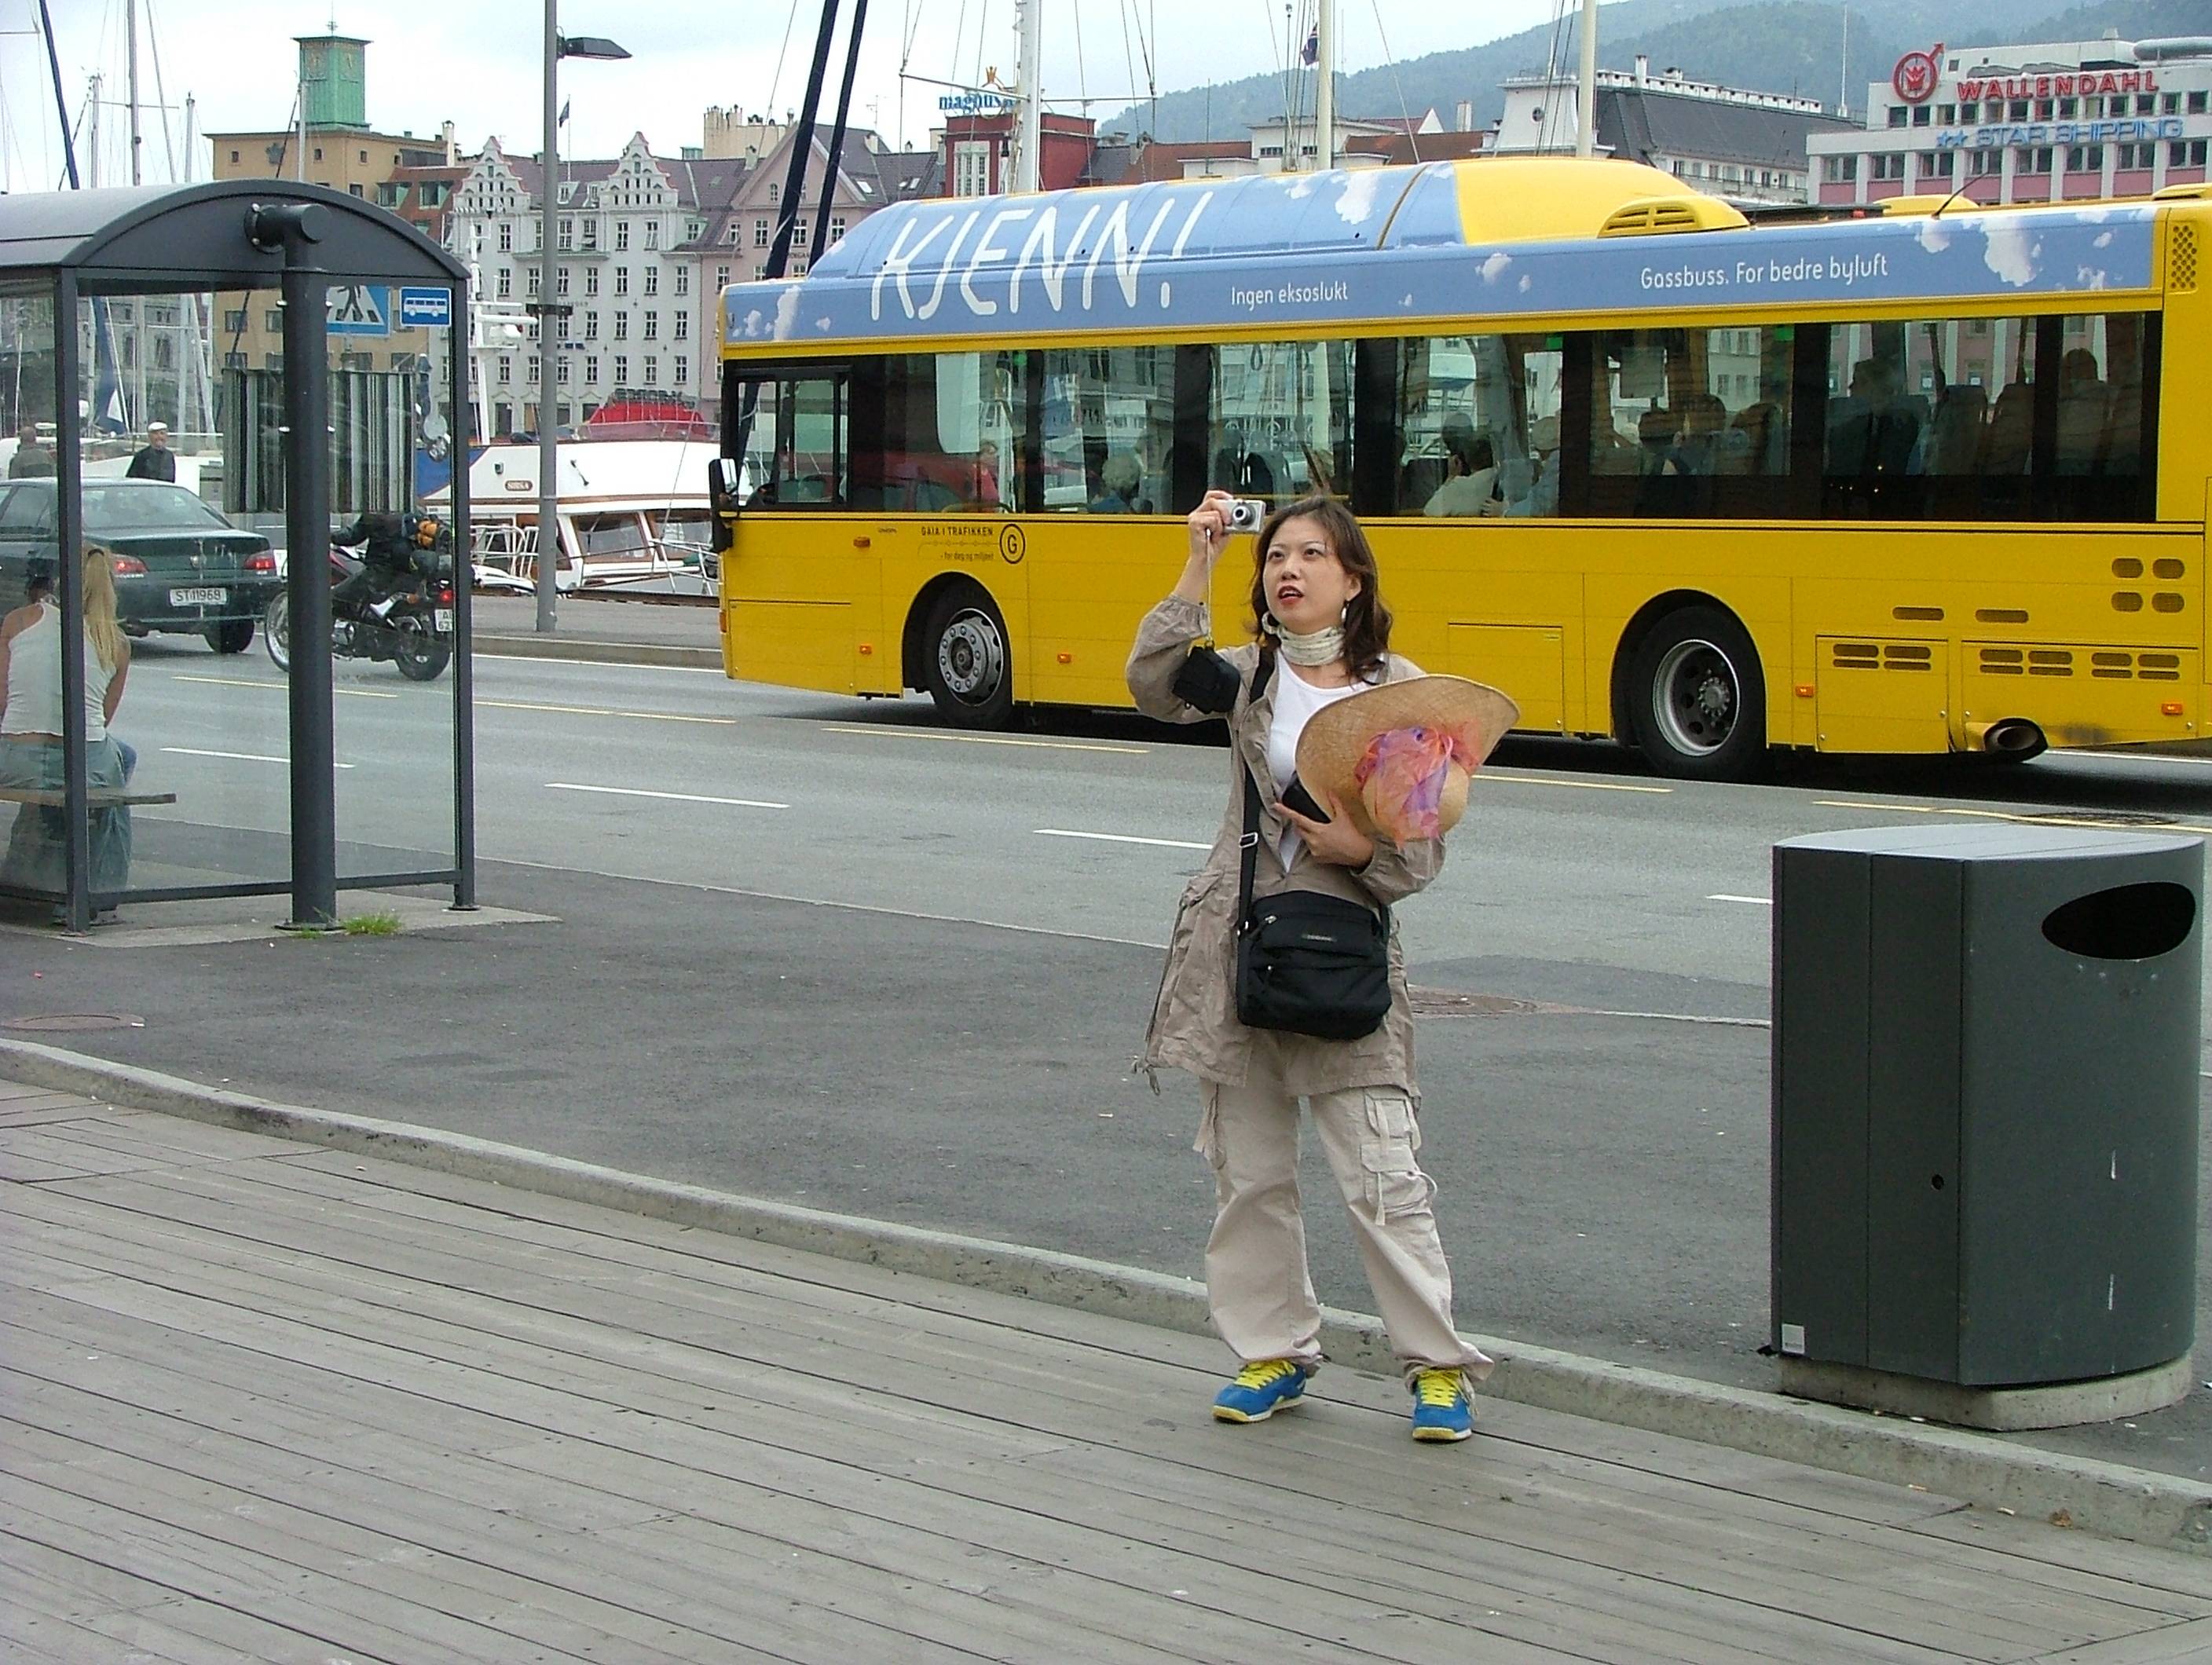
[(37, 857)]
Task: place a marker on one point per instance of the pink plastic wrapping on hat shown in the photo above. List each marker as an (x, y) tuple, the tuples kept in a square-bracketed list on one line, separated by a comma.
[(1402, 778)]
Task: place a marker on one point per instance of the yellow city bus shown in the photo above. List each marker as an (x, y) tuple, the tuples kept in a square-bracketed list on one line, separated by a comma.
[(1933, 480)]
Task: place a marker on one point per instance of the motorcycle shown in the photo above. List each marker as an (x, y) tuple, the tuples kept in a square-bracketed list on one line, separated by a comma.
[(415, 634)]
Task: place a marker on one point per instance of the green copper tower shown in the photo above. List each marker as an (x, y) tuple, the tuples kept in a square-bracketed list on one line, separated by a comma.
[(334, 80)]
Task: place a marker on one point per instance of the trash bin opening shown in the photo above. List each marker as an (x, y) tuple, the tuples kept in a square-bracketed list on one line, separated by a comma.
[(2127, 922)]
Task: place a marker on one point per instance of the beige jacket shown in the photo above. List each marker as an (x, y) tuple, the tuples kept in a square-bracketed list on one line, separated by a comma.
[(1195, 1024)]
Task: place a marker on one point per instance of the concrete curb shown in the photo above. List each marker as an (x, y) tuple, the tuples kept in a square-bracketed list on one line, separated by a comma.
[(598, 653), (2103, 1497)]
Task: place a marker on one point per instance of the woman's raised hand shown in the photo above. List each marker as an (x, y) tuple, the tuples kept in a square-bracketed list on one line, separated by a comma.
[(1209, 531)]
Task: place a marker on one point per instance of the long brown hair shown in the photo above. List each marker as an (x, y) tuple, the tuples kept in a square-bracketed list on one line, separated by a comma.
[(1366, 620)]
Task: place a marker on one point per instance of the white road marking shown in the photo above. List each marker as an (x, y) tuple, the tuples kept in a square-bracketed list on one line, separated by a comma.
[(986, 739), (606, 711), (1584, 786), (1122, 838), (675, 797), (257, 682), (1756, 902), (237, 757)]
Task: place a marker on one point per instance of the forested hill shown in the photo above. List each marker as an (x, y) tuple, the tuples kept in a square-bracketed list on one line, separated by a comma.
[(1777, 46)]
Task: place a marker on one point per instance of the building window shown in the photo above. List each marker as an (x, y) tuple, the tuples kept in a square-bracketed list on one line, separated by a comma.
[(318, 153), (653, 280), (722, 279), (2019, 109), (682, 326), (506, 237), (234, 360), (622, 280), (1946, 115), (622, 370), (971, 170), (1940, 164), (837, 227), (2043, 109), (568, 235), (590, 280), (537, 368), (1887, 168), (2196, 104), (760, 234), (591, 233), (505, 369), (234, 156), (590, 326), (774, 192), (683, 371), (683, 280), (591, 367), (1841, 169), (560, 280), (235, 321), (651, 369), (621, 327), (275, 322), (2035, 160), (621, 235), (2186, 153), (1897, 115), (653, 326), (652, 233), (2086, 159), (533, 274), (561, 370), (730, 232), (1985, 164)]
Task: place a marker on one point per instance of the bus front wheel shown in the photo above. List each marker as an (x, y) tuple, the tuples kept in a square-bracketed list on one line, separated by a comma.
[(1699, 698), (966, 666)]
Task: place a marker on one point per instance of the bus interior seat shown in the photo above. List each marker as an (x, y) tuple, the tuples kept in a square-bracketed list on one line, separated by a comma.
[(1954, 441), (2010, 439), (2084, 418)]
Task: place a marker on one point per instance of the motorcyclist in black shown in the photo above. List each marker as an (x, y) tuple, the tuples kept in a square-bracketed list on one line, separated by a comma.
[(393, 548)]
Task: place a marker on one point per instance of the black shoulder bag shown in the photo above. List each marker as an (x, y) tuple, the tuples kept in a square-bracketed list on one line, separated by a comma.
[(1306, 963)]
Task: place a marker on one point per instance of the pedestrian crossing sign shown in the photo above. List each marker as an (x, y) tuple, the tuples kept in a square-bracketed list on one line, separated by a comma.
[(360, 309)]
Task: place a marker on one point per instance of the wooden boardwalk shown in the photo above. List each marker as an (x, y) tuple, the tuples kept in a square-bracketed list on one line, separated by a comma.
[(263, 1401)]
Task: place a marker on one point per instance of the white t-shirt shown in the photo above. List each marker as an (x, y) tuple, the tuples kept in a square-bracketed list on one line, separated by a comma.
[(1296, 701)]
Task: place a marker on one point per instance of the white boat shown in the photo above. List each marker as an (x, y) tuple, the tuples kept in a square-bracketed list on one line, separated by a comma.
[(633, 515)]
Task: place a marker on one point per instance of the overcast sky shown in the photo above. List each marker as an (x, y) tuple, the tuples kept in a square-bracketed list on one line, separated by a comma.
[(477, 63)]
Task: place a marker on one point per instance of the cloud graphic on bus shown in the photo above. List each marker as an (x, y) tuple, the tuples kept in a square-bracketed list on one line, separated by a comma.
[(1934, 236), (787, 313), (1494, 267), (2010, 253), (1357, 206)]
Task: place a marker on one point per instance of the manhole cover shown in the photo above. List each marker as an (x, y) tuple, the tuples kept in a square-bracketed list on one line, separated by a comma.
[(1451, 1003), (55, 1022)]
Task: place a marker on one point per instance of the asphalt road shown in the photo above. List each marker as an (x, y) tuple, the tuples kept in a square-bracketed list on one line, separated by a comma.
[(948, 1041)]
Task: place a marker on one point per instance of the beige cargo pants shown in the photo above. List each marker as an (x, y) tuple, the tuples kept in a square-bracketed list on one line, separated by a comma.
[(1256, 1280)]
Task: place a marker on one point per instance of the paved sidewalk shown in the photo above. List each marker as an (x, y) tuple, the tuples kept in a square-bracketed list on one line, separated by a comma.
[(601, 628), (271, 1400)]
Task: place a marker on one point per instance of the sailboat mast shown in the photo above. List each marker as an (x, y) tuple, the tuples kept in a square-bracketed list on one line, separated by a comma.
[(1029, 23), (130, 76), (1586, 92), (92, 133), (1325, 86)]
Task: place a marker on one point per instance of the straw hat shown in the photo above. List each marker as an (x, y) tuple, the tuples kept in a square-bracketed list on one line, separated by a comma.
[(1449, 722)]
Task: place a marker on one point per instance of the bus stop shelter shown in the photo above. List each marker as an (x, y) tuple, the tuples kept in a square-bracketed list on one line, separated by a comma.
[(235, 790)]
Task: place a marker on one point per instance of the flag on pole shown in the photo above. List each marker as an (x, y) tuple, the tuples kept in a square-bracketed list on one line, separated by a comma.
[(564, 113), (1310, 52), (108, 415)]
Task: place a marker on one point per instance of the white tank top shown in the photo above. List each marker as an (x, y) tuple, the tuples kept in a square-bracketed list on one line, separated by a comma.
[(1296, 701), (34, 681)]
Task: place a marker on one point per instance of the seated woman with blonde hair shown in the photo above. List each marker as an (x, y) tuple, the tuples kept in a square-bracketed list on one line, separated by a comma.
[(30, 732)]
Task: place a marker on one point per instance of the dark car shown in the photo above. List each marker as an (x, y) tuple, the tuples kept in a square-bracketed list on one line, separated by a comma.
[(178, 565)]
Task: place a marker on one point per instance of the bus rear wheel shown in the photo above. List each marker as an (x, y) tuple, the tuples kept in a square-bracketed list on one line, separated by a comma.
[(1698, 698), (966, 666)]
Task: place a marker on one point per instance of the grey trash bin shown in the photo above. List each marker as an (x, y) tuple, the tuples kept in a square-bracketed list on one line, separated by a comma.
[(1985, 1088)]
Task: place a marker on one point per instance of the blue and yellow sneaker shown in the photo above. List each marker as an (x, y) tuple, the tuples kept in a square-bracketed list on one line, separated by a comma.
[(1260, 1390), (1441, 1410)]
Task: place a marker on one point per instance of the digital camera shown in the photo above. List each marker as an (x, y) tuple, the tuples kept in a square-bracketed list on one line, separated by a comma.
[(1245, 514)]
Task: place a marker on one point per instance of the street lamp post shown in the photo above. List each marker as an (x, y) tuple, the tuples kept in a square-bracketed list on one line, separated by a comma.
[(552, 315)]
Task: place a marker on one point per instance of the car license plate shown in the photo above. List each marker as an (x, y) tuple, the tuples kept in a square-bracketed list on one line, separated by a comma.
[(441, 619), (199, 598)]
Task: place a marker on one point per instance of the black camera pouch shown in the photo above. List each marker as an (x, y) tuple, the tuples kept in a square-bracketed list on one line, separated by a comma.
[(1208, 680)]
